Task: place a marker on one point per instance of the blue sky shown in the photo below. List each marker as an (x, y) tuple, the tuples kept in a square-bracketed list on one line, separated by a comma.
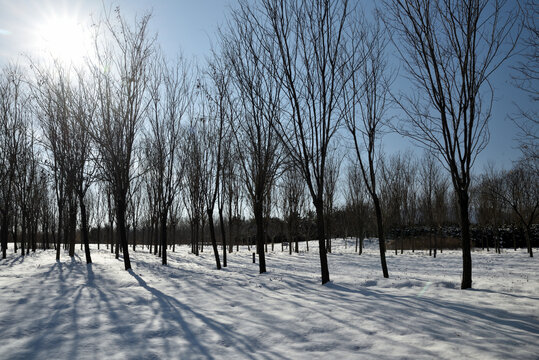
[(188, 26)]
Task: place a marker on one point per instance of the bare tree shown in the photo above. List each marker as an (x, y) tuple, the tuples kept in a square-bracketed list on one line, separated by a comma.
[(293, 199), (517, 189), (254, 132), (366, 105), (308, 46), (450, 49), (433, 192), (13, 120), (170, 91), (53, 102), (121, 74)]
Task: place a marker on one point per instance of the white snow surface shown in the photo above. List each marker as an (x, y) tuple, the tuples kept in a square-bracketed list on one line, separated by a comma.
[(190, 310)]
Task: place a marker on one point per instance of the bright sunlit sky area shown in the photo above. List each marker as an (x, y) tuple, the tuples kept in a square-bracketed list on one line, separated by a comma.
[(188, 26)]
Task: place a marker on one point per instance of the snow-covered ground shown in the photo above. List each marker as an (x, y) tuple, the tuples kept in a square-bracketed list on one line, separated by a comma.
[(189, 310)]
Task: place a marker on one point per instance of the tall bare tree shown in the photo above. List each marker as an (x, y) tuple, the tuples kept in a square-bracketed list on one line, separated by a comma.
[(367, 100), (170, 91), (120, 71), (450, 49), (308, 45), (517, 189), (254, 132), (13, 125)]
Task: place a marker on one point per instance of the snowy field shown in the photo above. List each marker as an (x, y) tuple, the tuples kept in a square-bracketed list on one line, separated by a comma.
[(189, 310)]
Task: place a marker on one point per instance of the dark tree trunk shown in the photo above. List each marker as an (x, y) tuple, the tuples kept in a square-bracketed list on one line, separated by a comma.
[(260, 237), (85, 232), (98, 235), (122, 234), (223, 235), (4, 233), (117, 243), (174, 237), (164, 238), (466, 241), (321, 241), (59, 237), (381, 238), (134, 238), (23, 234), (527, 235), (213, 239), (15, 226), (72, 224)]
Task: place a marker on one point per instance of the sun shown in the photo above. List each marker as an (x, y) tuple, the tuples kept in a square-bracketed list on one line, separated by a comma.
[(64, 37)]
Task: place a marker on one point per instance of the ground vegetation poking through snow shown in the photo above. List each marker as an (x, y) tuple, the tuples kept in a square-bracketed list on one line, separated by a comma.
[(189, 310)]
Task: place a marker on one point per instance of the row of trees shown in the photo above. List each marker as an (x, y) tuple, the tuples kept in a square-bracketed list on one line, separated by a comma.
[(265, 118)]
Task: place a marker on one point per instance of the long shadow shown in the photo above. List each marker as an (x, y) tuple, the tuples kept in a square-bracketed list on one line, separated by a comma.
[(435, 306), (503, 293), (173, 306)]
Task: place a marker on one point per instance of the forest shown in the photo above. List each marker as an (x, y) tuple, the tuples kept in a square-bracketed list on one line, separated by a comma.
[(254, 204), (275, 139)]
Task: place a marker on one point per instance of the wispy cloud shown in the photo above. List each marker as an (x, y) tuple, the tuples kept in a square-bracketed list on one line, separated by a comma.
[(4, 32)]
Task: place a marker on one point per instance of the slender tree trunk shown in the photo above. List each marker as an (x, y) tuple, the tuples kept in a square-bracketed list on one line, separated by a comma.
[(59, 237), (85, 232), (321, 241), (381, 238), (15, 227), (174, 237), (134, 238), (223, 235), (213, 239), (117, 241), (260, 238), (23, 234), (122, 235), (164, 237), (466, 241), (72, 224), (527, 235), (98, 235), (4, 233)]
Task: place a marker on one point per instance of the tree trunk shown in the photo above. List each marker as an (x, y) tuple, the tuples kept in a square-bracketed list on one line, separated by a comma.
[(381, 238), (4, 234), (466, 241), (59, 237), (164, 237), (72, 224), (134, 238), (321, 241), (260, 238), (223, 235), (527, 235), (23, 234), (85, 232), (213, 240), (122, 235)]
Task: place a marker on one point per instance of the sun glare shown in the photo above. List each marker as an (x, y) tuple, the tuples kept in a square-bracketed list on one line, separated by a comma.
[(63, 37)]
